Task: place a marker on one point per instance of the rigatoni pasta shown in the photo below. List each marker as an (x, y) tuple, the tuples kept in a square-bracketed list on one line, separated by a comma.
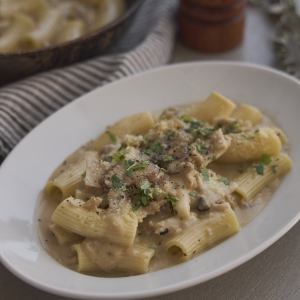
[(72, 215), (66, 182), (111, 257), (214, 107), (205, 232), (154, 191), (259, 175), (249, 113), (251, 145), (84, 264)]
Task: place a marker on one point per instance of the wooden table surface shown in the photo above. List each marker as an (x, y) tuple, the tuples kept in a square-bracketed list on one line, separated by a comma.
[(272, 275)]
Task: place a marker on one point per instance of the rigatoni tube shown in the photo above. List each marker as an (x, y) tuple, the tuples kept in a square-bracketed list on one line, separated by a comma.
[(119, 228), (66, 182), (84, 263), (250, 146), (206, 232), (214, 107), (249, 184), (111, 257), (249, 113)]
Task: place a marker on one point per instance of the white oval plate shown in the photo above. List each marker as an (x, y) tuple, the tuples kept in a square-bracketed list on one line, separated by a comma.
[(25, 171)]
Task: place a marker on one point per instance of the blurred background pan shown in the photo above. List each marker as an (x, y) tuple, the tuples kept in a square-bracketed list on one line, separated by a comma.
[(19, 65)]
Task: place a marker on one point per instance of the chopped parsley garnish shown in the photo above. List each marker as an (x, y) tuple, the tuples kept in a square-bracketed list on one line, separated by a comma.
[(112, 137), (143, 195), (260, 169), (83, 174), (205, 174), (205, 131), (146, 185), (119, 156), (154, 149), (186, 118), (167, 158), (202, 149), (133, 166), (233, 127), (195, 125), (197, 128), (172, 201), (202, 132), (117, 183), (225, 180), (265, 160), (170, 135)]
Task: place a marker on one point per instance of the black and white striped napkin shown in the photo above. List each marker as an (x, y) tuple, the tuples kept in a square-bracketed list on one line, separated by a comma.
[(24, 104)]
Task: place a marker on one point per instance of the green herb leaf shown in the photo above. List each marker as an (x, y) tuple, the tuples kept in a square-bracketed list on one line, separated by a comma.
[(167, 158), (112, 137), (201, 132), (171, 200), (202, 149), (146, 185), (225, 180), (117, 183), (233, 127), (154, 149), (205, 132), (143, 195), (133, 166), (265, 159), (260, 169), (186, 118), (205, 174), (170, 135), (144, 200), (197, 128), (119, 156)]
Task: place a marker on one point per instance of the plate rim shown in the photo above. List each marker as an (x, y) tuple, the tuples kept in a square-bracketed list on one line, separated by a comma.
[(187, 282)]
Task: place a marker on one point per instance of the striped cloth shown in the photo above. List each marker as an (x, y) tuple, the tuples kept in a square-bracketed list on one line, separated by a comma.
[(24, 104)]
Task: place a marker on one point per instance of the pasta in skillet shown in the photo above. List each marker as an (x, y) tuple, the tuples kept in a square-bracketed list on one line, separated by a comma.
[(33, 24), (152, 192)]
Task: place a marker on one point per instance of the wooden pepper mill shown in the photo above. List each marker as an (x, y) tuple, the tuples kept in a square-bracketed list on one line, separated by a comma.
[(212, 25)]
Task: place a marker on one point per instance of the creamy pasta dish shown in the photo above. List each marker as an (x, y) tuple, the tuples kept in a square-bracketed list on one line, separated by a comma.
[(154, 191), (33, 24)]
